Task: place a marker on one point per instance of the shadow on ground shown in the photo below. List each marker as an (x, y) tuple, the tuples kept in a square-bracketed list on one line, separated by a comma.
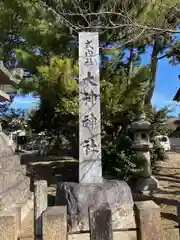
[(168, 196), (48, 167)]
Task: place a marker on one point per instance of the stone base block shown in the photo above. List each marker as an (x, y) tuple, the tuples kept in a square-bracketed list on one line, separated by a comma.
[(148, 219), (9, 225), (11, 162), (131, 235), (24, 207), (78, 197), (147, 184), (55, 223), (9, 177), (15, 194)]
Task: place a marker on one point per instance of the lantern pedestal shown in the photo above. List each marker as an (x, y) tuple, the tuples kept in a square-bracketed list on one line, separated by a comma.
[(142, 146), (147, 184)]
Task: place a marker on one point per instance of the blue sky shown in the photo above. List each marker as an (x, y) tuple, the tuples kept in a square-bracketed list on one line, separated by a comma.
[(167, 84), (25, 102)]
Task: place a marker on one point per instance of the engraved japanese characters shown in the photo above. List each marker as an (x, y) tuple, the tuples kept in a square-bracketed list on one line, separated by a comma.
[(90, 169)]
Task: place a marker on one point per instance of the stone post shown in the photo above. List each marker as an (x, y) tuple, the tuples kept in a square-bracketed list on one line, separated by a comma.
[(148, 221), (40, 204), (9, 225), (100, 221), (55, 223)]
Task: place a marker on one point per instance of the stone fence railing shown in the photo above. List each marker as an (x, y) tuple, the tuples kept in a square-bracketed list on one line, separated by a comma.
[(51, 222), (16, 199), (148, 226)]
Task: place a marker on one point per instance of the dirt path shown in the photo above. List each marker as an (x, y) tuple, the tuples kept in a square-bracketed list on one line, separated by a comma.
[(168, 175)]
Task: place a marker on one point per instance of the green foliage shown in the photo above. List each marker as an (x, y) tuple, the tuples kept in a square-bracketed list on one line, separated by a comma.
[(174, 53), (58, 112), (158, 119), (119, 160), (52, 71), (120, 104)]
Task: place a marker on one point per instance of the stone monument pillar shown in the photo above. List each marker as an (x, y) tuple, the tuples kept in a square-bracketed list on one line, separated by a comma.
[(142, 146), (92, 189), (90, 169)]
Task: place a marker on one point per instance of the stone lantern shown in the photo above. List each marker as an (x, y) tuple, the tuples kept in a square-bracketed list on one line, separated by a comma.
[(142, 145)]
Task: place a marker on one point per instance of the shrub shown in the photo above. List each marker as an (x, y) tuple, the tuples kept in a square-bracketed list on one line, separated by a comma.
[(119, 159)]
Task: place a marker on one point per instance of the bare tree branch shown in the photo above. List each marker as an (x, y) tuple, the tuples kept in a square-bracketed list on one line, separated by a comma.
[(128, 22)]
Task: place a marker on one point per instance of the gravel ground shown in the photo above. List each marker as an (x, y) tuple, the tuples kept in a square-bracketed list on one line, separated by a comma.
[(168, 174)]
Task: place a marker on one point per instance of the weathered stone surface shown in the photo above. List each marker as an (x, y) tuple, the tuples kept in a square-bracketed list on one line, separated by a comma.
[(11, 172), (9, 162), (100, 222), (7, 147), (55, 223), (9, 225), (14, 184), (78, 197), (140, 125), (116, 236), (147, 184), (40, 204), (14, 194), (25, 206), (9, 177), (90, 165), (146, 163), (148, 220), (141, 146)]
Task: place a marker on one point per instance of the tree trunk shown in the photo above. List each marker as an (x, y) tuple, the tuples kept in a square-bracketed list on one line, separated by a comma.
[(153, 69), (130, 65)]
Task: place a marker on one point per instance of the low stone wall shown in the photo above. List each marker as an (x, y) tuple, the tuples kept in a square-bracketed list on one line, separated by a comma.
[(16, 199), (52, 222), (147, 215), (14, 184)]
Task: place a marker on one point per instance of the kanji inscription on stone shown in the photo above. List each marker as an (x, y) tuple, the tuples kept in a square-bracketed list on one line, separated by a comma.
[(89, 121), (90, 167), (89, 98)]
